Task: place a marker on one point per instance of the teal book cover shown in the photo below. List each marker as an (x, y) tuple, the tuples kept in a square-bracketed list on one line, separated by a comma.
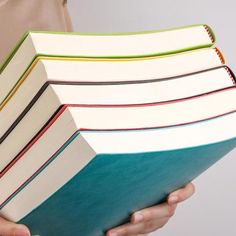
[(112, 186)]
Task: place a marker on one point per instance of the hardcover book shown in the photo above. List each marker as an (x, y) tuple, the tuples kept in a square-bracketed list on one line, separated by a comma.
[(96, 179)]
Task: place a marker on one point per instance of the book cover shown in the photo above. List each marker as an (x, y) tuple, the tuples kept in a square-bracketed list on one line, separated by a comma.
[(111, 187)]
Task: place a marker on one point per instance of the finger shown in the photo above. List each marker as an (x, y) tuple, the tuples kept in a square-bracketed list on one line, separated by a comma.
[(8, 228), (137, 229), (155, 212), (181, 194)]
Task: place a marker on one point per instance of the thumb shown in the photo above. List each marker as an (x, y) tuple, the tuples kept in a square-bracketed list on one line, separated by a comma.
[(8, 228)]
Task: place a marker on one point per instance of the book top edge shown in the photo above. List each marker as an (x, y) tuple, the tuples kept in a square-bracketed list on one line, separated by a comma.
[(25, 35)]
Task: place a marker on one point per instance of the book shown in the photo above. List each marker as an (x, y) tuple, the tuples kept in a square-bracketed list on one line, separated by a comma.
[(101, 188), (121, 205), (135, 44), (116, 70), (146, 112)]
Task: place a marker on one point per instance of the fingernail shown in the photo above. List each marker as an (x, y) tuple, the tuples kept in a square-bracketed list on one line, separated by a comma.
[(21, 232), (114, 234), (138, 217), (173, 199)]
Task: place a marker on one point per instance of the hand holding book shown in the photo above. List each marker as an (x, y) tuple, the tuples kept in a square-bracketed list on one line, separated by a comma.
[(90, 123), (10, 228), (141, 222), (153, 218)]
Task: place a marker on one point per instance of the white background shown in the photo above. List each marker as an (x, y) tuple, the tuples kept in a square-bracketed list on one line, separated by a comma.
[(212, 210)]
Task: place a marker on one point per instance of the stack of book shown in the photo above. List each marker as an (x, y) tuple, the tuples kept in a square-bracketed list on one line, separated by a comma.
[(95, 127)]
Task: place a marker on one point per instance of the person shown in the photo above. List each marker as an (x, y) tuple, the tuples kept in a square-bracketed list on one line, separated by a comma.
[(53, 15)]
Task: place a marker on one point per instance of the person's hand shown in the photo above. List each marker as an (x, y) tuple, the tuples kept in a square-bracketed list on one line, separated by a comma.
[(8, 228), (150, 219), (142, 222)]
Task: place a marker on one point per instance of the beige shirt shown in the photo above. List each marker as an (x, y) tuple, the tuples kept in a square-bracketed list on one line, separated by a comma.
[(19, 16)]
